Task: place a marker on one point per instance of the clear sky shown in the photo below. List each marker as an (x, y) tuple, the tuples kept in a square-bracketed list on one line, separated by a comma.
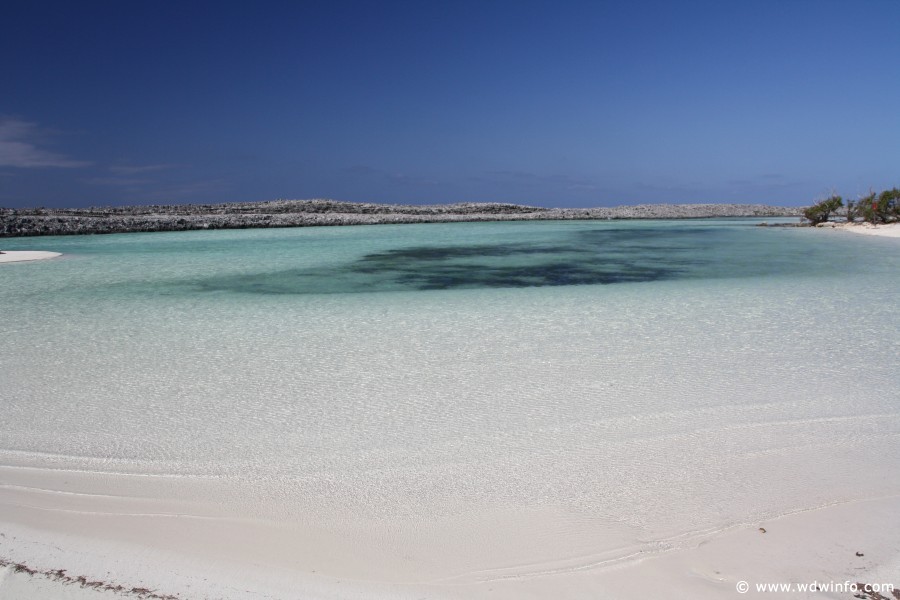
[(548, 103)]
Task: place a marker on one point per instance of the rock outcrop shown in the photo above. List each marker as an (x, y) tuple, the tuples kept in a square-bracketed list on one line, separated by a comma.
[(305, 213)]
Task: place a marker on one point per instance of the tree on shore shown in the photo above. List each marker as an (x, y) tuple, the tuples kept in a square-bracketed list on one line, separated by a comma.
[(852, 211), (821, 212), (883, 208)]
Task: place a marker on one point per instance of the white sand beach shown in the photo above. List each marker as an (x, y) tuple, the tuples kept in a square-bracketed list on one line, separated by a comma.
[(77, 545), (885, 230), (26, 255)]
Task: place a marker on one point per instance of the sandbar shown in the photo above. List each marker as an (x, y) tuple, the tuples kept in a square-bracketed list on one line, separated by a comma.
[(8, 256)]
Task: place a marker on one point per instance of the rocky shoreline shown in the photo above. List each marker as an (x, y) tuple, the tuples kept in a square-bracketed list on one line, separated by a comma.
[(306, 213)]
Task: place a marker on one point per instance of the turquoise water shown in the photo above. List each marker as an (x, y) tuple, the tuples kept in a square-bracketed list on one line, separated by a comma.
[(371, 259), (665, 376)]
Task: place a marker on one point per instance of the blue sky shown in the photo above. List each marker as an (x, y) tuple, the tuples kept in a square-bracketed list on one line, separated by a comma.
[(545, 103)]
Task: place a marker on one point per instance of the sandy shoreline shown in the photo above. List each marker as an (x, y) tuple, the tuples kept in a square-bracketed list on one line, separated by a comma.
[(886, 230), (9, 256), (78, 535), (78, 545)]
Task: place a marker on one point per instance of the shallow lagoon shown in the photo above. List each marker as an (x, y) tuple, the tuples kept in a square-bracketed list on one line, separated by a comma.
[(632, 382)]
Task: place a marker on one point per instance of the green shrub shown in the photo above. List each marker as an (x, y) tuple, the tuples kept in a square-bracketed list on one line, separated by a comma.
[(888, 205), (883, 208), (864, 208), (821, 212)]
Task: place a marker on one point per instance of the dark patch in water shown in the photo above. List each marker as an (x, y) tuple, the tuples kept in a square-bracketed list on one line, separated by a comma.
[(433, 253), (603, 256), (548, 274)]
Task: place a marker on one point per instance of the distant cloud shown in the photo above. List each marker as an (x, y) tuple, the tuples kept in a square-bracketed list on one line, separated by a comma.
[(670, 184), (190, 190), (558, 181), (155, 183), (118, 181), (404, 179), (363, 171), (511, 174), (18, 147), (132, 177), (149, 189), (766, 181), (136, 169)]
